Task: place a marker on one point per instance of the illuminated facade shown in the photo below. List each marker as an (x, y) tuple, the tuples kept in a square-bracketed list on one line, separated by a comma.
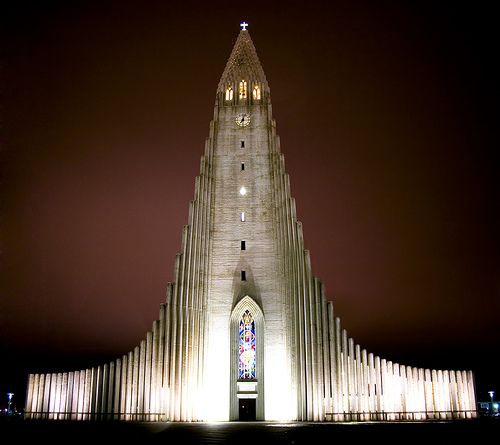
[(246, 331)]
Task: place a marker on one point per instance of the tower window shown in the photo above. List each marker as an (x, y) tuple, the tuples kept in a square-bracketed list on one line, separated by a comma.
[(243, 89), (243, 245), (229, 93), (242, 166), (256, 92), (242, 216), (242, 144), (243, 275), (247, 347), (243, 191)]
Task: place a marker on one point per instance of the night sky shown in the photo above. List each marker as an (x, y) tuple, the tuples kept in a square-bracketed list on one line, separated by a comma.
[(385, 112)]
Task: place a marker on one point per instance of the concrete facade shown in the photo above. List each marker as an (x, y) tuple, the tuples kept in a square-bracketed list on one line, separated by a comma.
[(243, 252)]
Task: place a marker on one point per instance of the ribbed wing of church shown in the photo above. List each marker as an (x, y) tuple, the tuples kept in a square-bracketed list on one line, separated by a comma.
[(246, 331)]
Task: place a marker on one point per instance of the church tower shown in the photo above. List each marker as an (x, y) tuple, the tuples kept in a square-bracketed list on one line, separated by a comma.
[(247, 355), (233, 247), (246, 332)]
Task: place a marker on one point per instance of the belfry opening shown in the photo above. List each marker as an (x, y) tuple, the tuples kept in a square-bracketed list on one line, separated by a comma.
[(246, 331)]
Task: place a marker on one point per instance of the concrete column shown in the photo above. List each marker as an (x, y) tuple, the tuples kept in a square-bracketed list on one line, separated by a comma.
[(160, 362), (40, 401), (28, 408), (78, 395), (411, 402), (384, 398), (345, 374), (148, 381), (186, 293), (333, 402), (401, 390), (69, 395), (326, 369), (119, 397), (154, 365), (372, 386), (96, 399), (81, 394), (103, 402), (166, 393), (390, 402), (429, 395), (447, 393), (399, 375), (359, 382), (454, 395), (379, 400), (64, 397), (174, 386), (124, 389), (461, 405), (111, 387), (129, 386), (365, 387), (135, 383), (351, 373), (411, 395), (87, 394), (469, 378), (52, 396), (438, 394), (46, 396), (323, 381), (339, 369), (37, 397), (418, 374)]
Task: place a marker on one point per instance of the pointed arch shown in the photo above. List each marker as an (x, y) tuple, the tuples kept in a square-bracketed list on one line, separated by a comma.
[(256, 92), (247, 303), (243, 89), (247, 309), (229, 93)]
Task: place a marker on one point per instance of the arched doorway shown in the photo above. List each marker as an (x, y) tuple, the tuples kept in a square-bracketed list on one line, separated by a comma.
[(247, 361)]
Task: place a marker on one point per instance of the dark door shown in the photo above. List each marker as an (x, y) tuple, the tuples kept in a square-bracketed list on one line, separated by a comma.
[(247, 409)]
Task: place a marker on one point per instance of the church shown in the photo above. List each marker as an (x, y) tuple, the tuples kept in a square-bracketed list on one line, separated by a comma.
[(246, 331)]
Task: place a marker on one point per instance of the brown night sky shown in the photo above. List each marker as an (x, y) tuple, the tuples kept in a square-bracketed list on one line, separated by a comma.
[(385, 113)]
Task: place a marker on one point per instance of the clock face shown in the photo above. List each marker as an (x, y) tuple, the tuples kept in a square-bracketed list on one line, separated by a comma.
[(243, 119)]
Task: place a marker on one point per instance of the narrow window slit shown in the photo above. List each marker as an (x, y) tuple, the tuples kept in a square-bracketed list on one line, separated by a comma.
[(243, 275), (243, 245)]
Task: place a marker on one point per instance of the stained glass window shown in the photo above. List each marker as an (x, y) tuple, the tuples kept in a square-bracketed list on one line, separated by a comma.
[(247, 347)]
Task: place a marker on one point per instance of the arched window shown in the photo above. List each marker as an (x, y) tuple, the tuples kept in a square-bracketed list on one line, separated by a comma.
[(247, 347), (229, 93), (243, 89), (256, 92)]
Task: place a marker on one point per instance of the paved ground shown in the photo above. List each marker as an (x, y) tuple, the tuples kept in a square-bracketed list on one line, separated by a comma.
[(255, 433)]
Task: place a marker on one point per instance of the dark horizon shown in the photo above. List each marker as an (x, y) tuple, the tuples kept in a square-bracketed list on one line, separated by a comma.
[(385, 114)]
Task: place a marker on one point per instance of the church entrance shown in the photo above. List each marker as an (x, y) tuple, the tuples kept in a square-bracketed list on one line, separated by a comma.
[(247, 410)]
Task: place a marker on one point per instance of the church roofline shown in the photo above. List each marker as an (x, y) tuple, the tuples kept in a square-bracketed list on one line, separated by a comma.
[(243, 63)]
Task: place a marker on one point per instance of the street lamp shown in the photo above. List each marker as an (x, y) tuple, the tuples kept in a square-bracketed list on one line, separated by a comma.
[(9, 396), (492, 393)]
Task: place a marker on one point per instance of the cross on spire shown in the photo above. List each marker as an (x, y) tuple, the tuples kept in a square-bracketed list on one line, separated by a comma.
[(244, 26)]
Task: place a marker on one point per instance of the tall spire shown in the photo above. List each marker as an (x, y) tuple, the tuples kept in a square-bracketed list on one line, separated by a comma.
[(243, 62)]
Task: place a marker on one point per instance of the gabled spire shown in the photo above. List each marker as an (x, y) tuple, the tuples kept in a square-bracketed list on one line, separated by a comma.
[(243, 62)]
